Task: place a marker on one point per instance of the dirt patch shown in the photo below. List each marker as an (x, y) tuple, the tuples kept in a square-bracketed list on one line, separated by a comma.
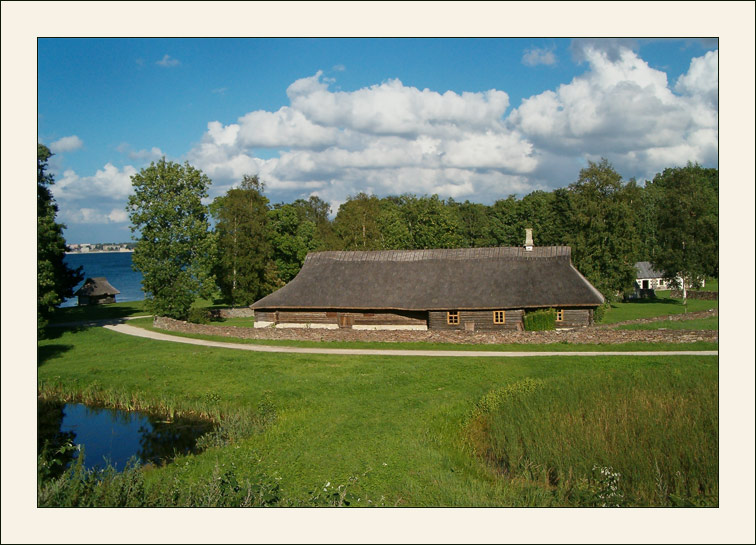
[(585, 335)]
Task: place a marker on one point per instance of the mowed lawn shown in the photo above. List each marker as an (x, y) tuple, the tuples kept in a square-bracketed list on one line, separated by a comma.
[(396, 429), (662, 305), (696, 324)]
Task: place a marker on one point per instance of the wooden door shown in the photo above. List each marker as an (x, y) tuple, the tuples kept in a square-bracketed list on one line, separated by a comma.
[(346, 321)]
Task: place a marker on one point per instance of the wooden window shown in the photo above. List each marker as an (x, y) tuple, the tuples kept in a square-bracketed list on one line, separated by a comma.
[(560, 315), (452, 317), (499, 316)]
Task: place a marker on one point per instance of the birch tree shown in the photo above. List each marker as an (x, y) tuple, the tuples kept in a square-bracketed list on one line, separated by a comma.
[(243, 266)]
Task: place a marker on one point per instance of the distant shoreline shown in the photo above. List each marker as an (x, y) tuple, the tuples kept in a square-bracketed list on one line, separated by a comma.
[(101, 252)]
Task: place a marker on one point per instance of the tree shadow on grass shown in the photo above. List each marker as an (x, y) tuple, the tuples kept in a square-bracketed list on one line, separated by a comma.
[(51, 351), (56, 332), (95, 312), (652, 301)]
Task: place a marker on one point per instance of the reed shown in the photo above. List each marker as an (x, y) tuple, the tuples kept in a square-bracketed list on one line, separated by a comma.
[(650, 434)]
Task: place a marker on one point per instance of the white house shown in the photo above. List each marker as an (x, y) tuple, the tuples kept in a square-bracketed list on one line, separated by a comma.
[(646, 278)]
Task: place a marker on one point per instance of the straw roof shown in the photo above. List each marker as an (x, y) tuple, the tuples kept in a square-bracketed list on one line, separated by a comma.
[(466, 278), (96, 286)]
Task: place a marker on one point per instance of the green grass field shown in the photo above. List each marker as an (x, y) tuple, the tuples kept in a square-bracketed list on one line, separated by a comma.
[(98, 312), (394, 431), (238, 322), (712, 284), (702, 324), (662, 305)]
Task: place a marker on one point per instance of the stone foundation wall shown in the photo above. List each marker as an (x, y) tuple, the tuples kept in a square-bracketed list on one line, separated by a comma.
[(583, 335)]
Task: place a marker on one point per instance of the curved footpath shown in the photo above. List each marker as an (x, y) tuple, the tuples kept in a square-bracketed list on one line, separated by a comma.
[(139, 332)]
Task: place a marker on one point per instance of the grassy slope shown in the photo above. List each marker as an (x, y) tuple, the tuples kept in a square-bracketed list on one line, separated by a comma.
[(662, 305), (397, 419), (98, 312)]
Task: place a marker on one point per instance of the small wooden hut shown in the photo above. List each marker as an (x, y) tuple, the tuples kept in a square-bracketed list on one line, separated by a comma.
[(96, 291)]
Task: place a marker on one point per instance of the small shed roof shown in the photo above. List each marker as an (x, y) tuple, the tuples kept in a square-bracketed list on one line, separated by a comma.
[(644, 269), (465, 278), (98, 285)]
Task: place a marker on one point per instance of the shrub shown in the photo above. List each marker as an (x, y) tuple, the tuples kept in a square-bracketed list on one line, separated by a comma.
[(600, 312), (540, 320), (199, 316)]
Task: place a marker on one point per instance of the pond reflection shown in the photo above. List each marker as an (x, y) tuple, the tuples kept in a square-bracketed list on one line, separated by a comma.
[(114, 436)]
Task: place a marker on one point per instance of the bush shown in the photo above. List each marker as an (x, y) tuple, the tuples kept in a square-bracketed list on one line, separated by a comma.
[(199, 316), (600, 311), (540, 320)]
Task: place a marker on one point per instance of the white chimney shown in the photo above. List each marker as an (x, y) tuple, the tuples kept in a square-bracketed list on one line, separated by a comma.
[(528, 240)]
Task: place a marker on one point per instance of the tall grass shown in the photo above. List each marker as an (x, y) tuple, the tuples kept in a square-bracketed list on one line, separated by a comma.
[(81, 487), (620, 437)]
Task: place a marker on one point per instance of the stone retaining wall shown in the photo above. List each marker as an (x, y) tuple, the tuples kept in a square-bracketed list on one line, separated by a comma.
[(693, 294), (584, 335), (243, 312)]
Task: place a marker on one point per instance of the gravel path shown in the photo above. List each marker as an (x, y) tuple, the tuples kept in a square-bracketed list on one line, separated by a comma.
[(139, 332)]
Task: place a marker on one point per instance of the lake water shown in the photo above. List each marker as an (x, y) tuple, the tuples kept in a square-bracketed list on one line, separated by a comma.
[(116, 436), (116, 267)]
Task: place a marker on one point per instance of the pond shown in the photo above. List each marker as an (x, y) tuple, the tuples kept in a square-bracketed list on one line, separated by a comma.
[(115, 436)]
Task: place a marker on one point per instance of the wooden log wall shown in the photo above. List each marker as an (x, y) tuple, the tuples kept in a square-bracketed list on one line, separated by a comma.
[(482, 320), (577, 317)]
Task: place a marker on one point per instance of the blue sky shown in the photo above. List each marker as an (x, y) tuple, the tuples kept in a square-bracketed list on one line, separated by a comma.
[(473, 119)]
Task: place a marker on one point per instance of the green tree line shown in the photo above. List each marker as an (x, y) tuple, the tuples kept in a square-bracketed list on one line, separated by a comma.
[(610, 224), (240, 247)]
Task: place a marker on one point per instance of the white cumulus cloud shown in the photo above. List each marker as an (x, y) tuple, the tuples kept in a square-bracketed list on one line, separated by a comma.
[(702, 79), (118, 215), (85, 215), (386, 138), (67, 143), (110, 182), (536, 56), (142, 155), (393, 108), (624, 110)]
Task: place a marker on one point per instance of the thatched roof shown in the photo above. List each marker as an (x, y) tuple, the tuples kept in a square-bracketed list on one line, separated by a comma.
[(459, 279), (96, 286), (644, 269)]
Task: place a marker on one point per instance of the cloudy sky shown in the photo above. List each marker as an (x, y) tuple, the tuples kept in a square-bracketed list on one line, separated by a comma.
[(472, 119)]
